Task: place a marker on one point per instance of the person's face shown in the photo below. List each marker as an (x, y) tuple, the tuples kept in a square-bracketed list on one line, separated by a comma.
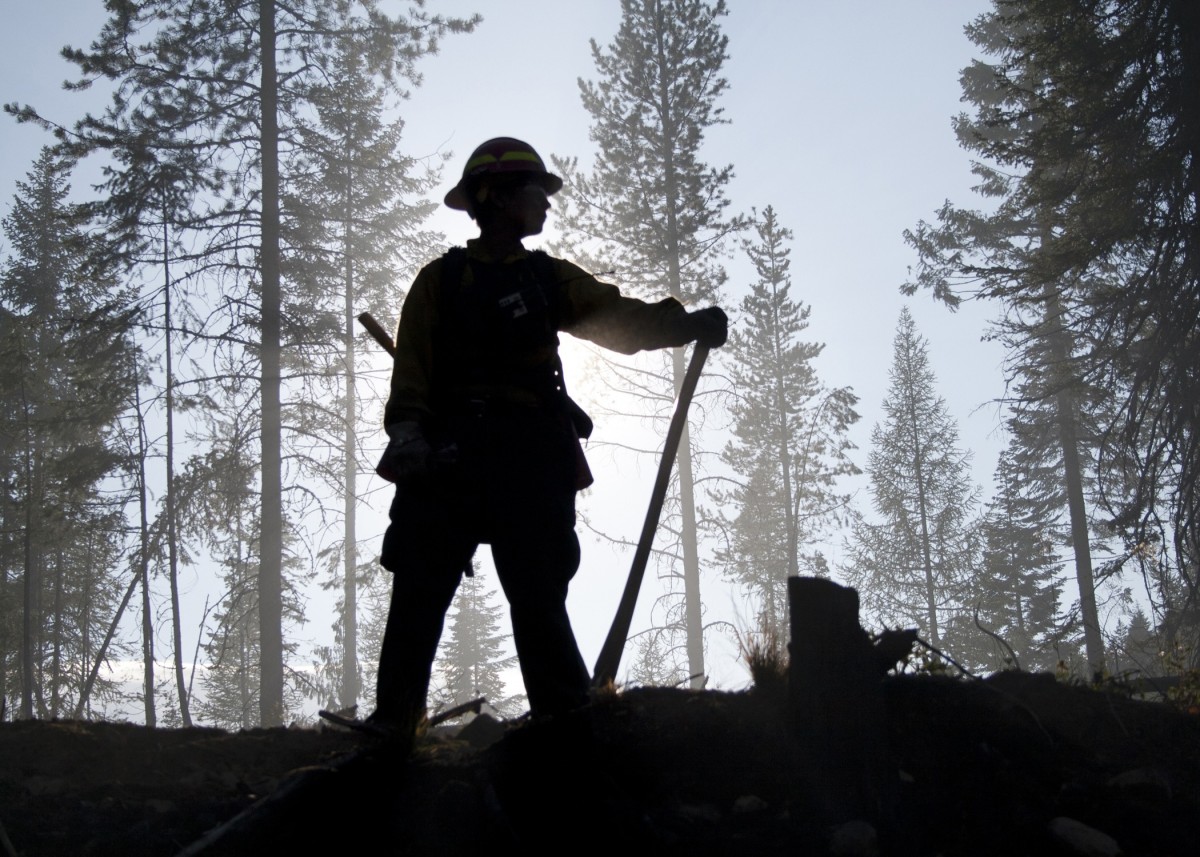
[(527, 205)]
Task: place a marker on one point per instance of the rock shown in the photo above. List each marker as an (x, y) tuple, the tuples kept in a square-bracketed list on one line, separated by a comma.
[(698, 813), (748, 804), (1148, 783), (854, 839), (1083, 840)]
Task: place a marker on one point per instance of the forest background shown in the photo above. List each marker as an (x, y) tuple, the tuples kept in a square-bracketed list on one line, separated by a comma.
[(838, 119)]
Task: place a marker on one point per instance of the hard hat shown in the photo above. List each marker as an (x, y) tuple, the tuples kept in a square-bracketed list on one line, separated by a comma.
[(499, 156)]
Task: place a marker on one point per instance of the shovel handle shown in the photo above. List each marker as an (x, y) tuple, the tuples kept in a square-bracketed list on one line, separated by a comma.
[(377, 332), (610, 654)]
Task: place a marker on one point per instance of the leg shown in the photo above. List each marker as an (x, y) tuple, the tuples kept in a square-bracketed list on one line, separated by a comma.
[(427, 552), (536, 558)]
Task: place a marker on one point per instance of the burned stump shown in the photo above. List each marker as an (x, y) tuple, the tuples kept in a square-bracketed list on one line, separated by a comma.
[(835, 699)]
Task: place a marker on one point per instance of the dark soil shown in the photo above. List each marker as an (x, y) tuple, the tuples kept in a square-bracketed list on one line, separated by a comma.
[(975, 768)]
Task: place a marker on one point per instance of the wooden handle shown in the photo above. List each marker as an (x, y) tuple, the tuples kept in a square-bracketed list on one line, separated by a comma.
[(610, 653), (377, 332)]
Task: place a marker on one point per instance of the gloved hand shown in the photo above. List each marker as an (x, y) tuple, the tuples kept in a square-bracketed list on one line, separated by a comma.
[(709, 326), (408, 452)]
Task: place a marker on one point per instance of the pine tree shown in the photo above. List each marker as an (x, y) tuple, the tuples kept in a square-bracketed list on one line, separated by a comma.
[(654, 210), (1089, 167), (916, 564), (68, 356), (353, 236), (1137, 651), (219, 511), (471, 662), (790, 443), (214, 87), (1017, 593)]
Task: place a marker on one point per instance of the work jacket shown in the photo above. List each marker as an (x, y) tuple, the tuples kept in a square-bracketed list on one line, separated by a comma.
[(493, 334)]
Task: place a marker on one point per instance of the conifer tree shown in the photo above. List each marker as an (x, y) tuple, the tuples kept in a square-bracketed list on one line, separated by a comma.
[(1090, 172), (353, 211), (1018, 589), (219, 511), (215, 87), (790, 443), (66, 346), (653, 210), (915, 564), (1137, 650), (471, 663)]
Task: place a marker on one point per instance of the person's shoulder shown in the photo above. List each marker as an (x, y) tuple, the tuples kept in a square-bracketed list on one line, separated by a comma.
[(434, 270), (565, 272), (451, 255)]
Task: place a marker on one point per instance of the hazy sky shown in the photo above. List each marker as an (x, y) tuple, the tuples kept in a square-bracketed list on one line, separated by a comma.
[(839, 116)]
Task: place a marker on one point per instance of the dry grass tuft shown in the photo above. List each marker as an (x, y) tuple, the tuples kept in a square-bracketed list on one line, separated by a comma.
[(765, 653)]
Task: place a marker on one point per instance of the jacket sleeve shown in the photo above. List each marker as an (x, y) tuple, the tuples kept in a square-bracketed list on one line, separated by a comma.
[(599, 313), (412, 370)]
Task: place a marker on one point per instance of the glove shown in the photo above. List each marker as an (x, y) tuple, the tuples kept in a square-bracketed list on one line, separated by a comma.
[(709, 327), (408, 453)]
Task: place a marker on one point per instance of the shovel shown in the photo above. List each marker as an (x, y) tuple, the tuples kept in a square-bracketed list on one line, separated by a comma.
[(610, 653)]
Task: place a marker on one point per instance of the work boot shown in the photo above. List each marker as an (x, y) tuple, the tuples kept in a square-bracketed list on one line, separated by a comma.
[(398, 730)]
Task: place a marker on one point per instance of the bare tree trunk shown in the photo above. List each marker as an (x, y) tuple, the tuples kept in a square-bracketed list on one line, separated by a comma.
[(86, 692), (30, 584), (931, 615), (270, 575), (350, 689), (1067, 418), (56, 636), (172, 532), (5, 646), (693, 608), (691, 552), (144, 551)]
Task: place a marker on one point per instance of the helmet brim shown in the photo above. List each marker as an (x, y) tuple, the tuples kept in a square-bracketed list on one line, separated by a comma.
[(459, 197)]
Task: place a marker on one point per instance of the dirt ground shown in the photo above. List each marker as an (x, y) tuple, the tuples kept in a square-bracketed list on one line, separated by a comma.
[(1016, 764)]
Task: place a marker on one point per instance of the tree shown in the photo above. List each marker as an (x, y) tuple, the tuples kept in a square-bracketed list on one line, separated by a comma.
[(1137, 650), (472, 658), (66, 346), (1017, 593), (1093, 166), (220, 509), (353, 236), (916, 564), (789, 435), (650, 202), (217, 86)]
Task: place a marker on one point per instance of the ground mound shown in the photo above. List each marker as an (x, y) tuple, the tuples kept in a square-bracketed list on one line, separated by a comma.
[(1016, 764)]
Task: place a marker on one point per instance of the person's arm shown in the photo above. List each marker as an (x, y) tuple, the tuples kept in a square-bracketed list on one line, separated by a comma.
[(599, 313), (412, 370)]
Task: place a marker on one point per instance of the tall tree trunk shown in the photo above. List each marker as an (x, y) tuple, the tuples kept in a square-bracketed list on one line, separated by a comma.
[(270, 575), (57, 678), (791, 511), (30, 584), (693, 609), (350, 689), (144, 533), (691, 551), (926, 540), (5, 646), (1066, 416), (144, 547), (172, 532), (85, 694)]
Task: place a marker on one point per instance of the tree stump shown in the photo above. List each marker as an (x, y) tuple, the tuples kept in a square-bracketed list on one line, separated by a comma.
[(835, 697)]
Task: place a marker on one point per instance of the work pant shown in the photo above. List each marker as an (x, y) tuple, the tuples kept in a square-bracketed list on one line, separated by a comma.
[(514, 488)]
